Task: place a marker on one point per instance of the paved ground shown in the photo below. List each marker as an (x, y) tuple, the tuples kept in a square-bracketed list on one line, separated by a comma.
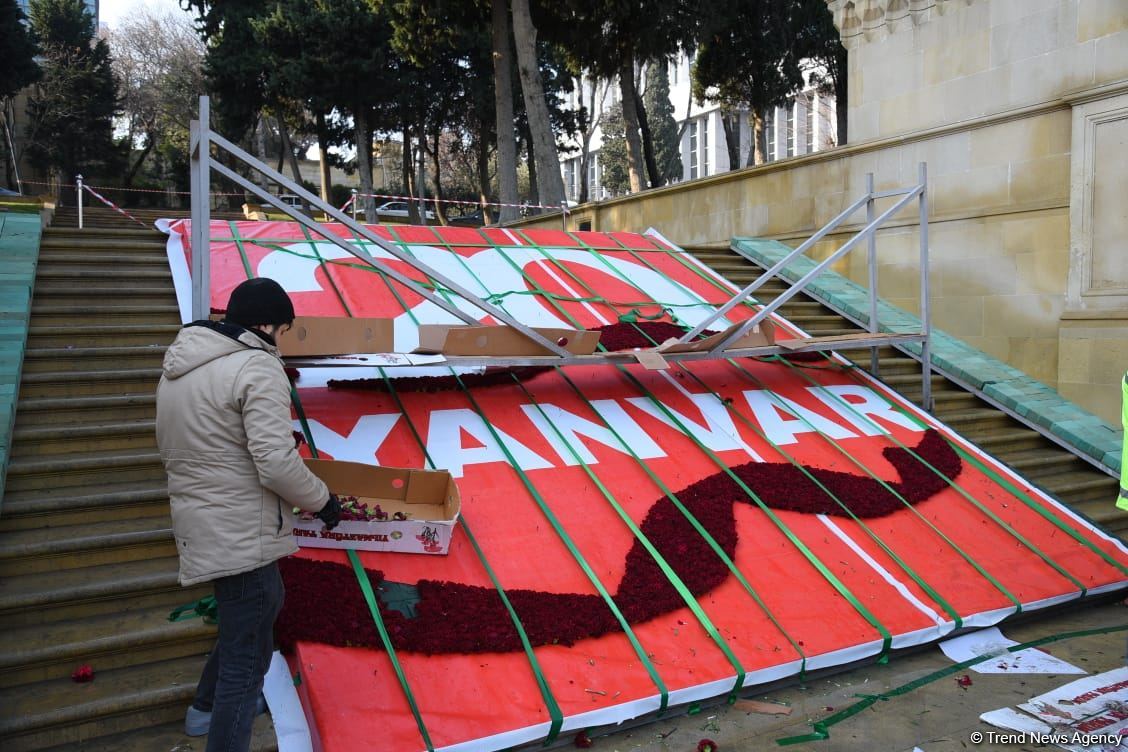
[(937, 717)]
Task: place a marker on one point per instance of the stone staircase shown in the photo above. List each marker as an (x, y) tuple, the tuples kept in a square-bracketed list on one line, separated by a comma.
[(87, 562), (88, 567), (1061, 473)]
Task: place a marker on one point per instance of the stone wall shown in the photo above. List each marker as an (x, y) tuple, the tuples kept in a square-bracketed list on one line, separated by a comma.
[(989, 94)]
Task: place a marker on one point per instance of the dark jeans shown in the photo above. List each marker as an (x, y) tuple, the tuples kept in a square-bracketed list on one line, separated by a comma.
[(248, 604)]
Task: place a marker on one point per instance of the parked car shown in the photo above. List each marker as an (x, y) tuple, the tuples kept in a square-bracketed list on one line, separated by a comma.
[(398, 210), (473, 219)]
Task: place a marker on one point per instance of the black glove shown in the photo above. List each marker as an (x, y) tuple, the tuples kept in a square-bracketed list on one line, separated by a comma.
[(330, 514)]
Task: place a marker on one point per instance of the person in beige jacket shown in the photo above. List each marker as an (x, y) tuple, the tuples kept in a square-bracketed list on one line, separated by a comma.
[(234, 476)]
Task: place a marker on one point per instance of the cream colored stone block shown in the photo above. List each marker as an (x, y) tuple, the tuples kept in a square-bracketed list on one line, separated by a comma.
[(965, 56), (1026, 37), (1036, 356), (1023, 315), (1035, 232), (901, 281), (864, 121), (1044, 179), (975, 189), (898, 245), (977, 95), (914, 110), (961, 316), (945, 154), (1110, 58), (1021, 140), (892, 77), (1099, 18), (1046, 77), (1043, 272), (982, 276), (1006, 12), (791, 216), (1074, 360)]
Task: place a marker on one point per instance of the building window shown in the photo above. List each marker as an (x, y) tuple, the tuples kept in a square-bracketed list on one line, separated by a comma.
[(812, 108), (704, 146), (770, 136), (791, 130), (693, 150), (593, 179), (570, 177)]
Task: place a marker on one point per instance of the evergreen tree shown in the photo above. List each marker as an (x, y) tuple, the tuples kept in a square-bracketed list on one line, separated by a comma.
[(663, 127), (71, 113), (613, 158), (18, 51)]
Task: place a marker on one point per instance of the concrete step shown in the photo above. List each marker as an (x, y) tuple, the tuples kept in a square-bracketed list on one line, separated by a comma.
[(128, 357), (96, 335), (1005, 442), (86, 469), (74, 294), (27, 552), (79, 410), (76, 383), (982, 418), (93, 591), (53, 314), (29, 510), (109, 257), (42, 440), (44, 652), (1040, 463), (59, 712), (169, 736), (53, 233), (118, 277)]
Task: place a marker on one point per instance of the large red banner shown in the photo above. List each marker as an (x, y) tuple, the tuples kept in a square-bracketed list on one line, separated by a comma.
[(549, 466)]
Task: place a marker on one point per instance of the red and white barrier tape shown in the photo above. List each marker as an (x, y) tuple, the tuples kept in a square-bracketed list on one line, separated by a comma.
[(127, 190), (452, 201), (114, 206)]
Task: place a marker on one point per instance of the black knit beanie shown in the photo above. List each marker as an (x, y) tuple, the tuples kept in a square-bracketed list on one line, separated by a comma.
[(259, 302)]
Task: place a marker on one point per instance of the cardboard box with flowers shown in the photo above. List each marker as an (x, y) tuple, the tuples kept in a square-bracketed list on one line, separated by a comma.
[(385, 509)]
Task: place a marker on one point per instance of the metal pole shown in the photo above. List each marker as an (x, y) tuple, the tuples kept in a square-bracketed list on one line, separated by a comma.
[(564, 213), (871, 261), (925, 294), (201, 212), (354, 196), (422, 179), (78, 192)]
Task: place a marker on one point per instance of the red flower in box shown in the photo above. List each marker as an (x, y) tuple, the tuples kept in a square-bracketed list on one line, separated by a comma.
[(83, 674)]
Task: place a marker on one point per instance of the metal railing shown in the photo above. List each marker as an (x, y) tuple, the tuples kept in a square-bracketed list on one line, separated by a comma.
[(867, 233)]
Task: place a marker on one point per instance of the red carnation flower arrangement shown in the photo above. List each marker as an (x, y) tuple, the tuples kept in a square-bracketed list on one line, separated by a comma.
[(324, 604), (83, 674)]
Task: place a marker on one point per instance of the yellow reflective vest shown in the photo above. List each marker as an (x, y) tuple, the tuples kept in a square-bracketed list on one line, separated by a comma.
[(1122, 501)]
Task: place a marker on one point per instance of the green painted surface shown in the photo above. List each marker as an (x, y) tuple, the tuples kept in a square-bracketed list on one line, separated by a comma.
[(19, 254), (1008, 386)]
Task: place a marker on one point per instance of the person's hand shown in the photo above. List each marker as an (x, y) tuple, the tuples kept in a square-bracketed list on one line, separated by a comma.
[(330, 514)]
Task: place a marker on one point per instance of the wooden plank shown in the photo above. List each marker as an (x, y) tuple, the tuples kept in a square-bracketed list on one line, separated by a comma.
[(795, 344)]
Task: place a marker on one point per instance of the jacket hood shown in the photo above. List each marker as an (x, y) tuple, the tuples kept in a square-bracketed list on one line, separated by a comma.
[(202, 342)]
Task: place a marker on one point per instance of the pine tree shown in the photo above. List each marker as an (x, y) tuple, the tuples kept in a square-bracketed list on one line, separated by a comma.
[(18, 51), (613, 158), (70, 128), (663, 127)]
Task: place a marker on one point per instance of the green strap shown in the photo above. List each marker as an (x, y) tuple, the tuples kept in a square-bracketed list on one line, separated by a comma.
[(242, 251), (555, 714), (362, 577), (370, 599), (325, 268), (206, 608), (820, 727)]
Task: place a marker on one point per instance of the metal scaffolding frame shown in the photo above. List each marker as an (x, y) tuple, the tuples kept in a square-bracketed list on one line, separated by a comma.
[(203, 163)]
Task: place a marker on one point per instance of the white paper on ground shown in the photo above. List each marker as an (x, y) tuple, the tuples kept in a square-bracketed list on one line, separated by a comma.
[(285, 708), (992, 642), (1012, 720), (383, 360)]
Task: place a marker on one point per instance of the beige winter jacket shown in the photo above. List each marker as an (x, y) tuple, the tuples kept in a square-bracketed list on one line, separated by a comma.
[(226, 440)]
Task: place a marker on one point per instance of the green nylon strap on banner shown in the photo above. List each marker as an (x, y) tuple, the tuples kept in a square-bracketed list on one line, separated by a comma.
[(556, 715), (242, 251), (370, 599), (206, 608), (845, 592), (850, 408), (563, 535), (325, 267), (820, 727)]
